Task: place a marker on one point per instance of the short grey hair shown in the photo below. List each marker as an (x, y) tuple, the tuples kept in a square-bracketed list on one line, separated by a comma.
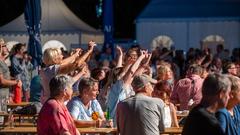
[(59, 83), (214, 84)]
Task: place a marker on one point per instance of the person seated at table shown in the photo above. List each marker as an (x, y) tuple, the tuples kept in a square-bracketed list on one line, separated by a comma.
[(83, 106), (201, 119), (141, 114), (229, 117), (54, 118), (162, 90)]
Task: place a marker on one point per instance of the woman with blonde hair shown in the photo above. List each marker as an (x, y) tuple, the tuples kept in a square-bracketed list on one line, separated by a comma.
[(165, 73), (55, 64)]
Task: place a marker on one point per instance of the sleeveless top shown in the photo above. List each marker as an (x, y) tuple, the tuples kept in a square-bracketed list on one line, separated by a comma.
[(167, 118)]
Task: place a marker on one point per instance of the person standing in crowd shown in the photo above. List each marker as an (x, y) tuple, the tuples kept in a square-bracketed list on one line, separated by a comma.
[(21, 68), (164, 73), (229, 117), (85, 104), (17, 64), (54, 118), (5, 78), (55, 64), (35, 89), (111, 77), (163, 91), (122, 88), (220, 52), (26, 76), (201, 119), (18, 69), (141, 114), (188, 89), (216, 65), (230, 68)]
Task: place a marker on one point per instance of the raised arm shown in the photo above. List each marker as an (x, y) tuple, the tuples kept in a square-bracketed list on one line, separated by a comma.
[(72, 58), (120, 56), (127, 79), (77, 63), (144, 65), (83, 58), (80, 74)]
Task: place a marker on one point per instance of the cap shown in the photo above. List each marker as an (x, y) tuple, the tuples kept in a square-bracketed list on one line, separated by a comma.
[(142, 80)]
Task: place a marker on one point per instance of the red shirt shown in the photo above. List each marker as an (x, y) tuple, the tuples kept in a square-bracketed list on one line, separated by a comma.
[(54, 119)]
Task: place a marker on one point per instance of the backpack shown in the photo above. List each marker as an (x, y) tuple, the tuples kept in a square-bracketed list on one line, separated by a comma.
[(32, 109)]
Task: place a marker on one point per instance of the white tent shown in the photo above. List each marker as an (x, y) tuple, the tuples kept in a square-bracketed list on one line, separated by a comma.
[(189, 22), (58, 23)]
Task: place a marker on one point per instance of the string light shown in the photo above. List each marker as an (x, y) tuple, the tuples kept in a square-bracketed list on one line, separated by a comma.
[(99, 8)]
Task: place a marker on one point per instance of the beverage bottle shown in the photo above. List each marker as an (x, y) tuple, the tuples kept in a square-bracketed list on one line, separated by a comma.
[(108, 114), (17, 94)]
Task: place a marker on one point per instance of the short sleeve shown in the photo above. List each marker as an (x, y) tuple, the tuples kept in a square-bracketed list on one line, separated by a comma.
[(52, 70), (98, 108), (58, 120), (59, 123), (74, 109)]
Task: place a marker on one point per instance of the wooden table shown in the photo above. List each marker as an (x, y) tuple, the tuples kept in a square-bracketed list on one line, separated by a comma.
[(180, 116), (30, 130), (14, 105), (98, 131), (172, 130), (33, 130), (20, 119)]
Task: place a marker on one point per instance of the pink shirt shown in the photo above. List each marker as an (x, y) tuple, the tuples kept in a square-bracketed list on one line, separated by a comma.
[(186, 89), (54, 119)]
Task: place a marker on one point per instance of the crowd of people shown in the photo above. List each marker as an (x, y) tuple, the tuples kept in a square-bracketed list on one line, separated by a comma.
[(137, 91)]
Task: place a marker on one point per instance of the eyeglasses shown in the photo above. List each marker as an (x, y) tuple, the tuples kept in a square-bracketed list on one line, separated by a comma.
[(233, 68)]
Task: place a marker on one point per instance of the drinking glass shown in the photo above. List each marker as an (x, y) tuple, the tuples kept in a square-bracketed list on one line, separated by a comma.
[(11, 119), (95, 116)]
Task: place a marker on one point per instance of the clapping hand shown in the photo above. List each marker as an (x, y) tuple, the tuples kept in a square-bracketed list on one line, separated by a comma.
[(91, 45), (119, 50)]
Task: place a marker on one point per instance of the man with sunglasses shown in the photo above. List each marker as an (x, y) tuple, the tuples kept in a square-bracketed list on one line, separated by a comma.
[(5, 78)]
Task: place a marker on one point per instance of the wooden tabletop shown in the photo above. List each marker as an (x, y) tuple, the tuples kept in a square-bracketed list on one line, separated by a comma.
[(19, 115), (12, 105), (173, 130), (81, 130), (180, 116), (98, 130), (18, 130)]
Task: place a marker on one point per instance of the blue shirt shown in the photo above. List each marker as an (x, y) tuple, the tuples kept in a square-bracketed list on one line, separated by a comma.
[(80, 112), (230, 124), (118, 93)]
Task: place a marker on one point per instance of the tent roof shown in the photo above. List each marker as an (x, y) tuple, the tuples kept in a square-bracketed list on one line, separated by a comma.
[(56, 17), (191, 9)]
